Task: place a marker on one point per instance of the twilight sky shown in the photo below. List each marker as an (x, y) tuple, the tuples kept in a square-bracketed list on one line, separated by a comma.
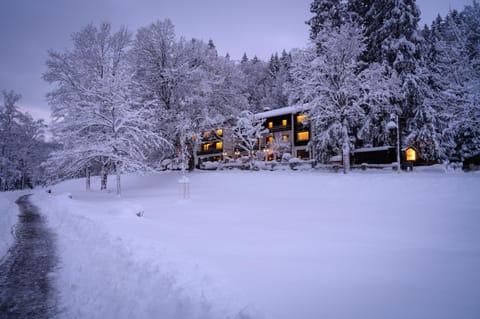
[(28, 28)]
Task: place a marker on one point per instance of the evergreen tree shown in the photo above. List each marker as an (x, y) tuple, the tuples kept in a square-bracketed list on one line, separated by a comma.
[(326, 13)]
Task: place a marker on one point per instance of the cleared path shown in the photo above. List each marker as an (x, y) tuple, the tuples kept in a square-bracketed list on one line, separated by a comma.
[(26, 290)]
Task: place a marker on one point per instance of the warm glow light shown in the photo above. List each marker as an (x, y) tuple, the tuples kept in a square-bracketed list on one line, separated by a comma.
[(206, 134), (303, 136), (270, 139), (411, 154), (219, 132), (284, 138), (270, 124), (301, 118), (218, 145), (206, 147), (284, 122)]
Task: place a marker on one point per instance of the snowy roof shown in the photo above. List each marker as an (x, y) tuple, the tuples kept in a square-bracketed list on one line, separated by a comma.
[(282, 111), (372, 149)]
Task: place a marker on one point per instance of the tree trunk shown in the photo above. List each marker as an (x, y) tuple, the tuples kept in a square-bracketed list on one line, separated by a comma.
[(345, 147), (118, 169), (87, 178), (103, 177)]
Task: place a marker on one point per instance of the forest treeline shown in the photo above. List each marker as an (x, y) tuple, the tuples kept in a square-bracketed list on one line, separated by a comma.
[(122, 100)]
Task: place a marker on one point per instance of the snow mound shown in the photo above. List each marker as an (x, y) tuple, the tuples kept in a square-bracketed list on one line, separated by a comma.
[(8, 218)]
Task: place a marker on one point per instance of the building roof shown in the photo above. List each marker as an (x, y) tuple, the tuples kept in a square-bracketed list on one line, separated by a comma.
[(282, 111), (373, 149)]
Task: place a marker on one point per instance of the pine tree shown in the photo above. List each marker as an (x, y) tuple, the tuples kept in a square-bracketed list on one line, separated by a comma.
[(326, 13)]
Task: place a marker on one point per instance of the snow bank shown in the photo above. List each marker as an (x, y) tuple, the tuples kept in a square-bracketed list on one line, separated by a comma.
[(106, 276), (8, 218)]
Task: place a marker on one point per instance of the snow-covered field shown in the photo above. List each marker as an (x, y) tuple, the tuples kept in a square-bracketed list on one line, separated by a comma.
[(270, 245)]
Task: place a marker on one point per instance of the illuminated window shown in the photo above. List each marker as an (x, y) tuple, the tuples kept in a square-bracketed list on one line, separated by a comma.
[(194, 136), (303, 136), (301, 118), (206, 147), (270, 139), (219, 132), (284, 122), (411, 154), (218, 145), (284, 138), (206, 134), (270, 124)]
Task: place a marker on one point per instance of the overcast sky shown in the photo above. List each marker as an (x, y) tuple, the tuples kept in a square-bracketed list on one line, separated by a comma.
[(28, 28)]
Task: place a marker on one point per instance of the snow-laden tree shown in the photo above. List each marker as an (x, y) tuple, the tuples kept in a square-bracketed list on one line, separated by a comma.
[(461, 33), (276, 80), (185, 83), (451, 72), (22, 146), (326, 13), (331, 81), (95, 116), (247, 131)]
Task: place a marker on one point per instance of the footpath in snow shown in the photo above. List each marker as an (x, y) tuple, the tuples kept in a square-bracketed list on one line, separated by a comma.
[(26, 289)]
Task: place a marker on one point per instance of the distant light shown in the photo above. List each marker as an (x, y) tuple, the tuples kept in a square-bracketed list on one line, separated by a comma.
[(411, 154)]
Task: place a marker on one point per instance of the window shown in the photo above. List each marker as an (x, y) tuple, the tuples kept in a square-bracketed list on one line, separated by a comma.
[(301, 118), (303, 136), (270, 124), (206, 134), (284, 138), (218, 145), (303, 154), (411, 154), (284, 122), (219, 132), (270, 139), (206, 147)]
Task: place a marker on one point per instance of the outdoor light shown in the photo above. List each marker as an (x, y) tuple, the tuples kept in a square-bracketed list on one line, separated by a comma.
[(411, 154), (393, 125)]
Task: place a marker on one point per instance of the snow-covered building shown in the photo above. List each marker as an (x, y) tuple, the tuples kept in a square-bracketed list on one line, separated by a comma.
[(287, 130)]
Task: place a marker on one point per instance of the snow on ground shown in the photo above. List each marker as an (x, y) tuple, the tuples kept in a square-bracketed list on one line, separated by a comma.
[(270, 245), (8, 218)]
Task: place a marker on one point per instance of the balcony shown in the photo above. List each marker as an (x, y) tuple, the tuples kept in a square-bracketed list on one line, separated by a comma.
[(279, 128)]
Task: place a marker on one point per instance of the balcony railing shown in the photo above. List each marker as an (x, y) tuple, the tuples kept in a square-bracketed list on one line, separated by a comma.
[(279, 128)]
